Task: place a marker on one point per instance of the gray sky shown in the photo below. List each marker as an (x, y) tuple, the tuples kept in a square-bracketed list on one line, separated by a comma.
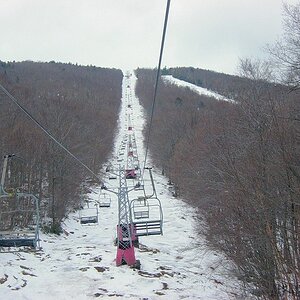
[(209, 34)]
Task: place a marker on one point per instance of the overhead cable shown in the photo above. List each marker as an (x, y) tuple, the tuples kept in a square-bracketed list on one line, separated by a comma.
[(157, 78)]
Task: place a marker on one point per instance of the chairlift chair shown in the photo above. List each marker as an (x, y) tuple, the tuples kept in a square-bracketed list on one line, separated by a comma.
[(130, 174), (140, 208), (19, 221), (89, 215), (21, 239), (147, 216), (104, 200), (146, 213)]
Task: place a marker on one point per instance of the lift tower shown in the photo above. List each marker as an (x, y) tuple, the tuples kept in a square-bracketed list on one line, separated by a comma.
[(125, 248)]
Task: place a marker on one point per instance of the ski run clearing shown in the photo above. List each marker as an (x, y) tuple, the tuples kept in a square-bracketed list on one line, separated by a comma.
[(80, 263), (197, 89)]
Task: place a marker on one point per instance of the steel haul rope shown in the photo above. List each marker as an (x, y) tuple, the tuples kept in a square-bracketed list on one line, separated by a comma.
[(157, 78)]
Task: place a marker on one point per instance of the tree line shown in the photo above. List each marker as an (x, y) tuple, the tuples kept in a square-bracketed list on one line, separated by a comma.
[(79, 106), (239, 162)]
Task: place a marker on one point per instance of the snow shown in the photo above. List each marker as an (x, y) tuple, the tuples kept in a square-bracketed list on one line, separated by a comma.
[(195, 88), (80, 263)]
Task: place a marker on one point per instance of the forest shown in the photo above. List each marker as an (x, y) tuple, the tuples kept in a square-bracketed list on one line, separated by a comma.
[(79, 106), (239, 162)]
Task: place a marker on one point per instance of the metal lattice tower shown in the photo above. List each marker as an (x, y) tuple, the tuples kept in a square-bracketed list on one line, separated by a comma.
[(130, 162), (125, 251)]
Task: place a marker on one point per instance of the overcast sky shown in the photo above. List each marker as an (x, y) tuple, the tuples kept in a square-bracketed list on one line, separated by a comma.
[(209, 34)]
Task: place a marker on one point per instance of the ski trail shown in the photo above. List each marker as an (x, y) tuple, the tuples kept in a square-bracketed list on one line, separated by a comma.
[(80, 263), (199, 90)]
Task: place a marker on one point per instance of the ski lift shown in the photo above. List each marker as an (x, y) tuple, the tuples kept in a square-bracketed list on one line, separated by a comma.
[(140, 208), (89, 215), (19, 215), (147, 216), (19, 221), (104, 200), (146, 213)]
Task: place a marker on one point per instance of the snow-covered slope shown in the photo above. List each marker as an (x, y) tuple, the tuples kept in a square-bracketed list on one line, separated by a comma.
[(80, 264), (195, 88)]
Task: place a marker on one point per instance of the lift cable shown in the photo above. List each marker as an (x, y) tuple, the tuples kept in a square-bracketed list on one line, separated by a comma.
[(16, 102), (157, 77)]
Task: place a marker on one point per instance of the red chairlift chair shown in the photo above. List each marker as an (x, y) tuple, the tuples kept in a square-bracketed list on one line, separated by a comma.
[(130, 174)]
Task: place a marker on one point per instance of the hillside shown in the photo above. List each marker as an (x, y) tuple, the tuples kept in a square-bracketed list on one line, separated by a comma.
[(238, 163), (234, 161), (230, 86), (78, 105), (80, 263)]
